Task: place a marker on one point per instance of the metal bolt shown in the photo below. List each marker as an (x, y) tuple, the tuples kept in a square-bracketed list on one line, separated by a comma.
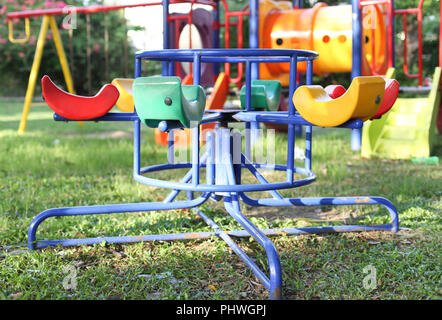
[(168, 101), (378, 100)]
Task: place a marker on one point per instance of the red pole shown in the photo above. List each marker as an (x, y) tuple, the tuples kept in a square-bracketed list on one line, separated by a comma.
[(440, 35)]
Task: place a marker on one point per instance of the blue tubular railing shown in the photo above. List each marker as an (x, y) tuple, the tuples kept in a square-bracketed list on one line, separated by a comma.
[(223, 166)]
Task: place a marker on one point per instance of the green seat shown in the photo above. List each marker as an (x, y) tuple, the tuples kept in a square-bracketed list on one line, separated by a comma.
[(164, 98), (266, 94)]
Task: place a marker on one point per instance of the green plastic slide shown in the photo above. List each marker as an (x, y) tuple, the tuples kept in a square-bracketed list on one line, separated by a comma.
[(408, 130)]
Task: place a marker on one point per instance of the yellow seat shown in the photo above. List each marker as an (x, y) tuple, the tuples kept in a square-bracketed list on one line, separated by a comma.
[(126, 100), (361, 101)]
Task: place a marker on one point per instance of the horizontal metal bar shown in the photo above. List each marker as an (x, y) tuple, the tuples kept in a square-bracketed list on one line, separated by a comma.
[(222, 188), (284, 118), (111, 116), (207, 234), (94, 9), (243, 54), (415, 90)]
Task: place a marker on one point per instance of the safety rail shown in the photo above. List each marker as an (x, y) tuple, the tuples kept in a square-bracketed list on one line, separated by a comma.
[(390, 44), (418, 12), (391, 13), (239, 24)]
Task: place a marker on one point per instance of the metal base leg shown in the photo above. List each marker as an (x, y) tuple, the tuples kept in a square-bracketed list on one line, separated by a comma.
[(226, 172)]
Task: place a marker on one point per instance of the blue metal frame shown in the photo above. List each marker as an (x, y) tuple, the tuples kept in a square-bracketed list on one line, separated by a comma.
[(223, 175), (356, 134)]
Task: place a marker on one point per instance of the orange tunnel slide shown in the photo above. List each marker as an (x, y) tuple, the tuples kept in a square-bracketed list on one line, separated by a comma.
[(326, 30)]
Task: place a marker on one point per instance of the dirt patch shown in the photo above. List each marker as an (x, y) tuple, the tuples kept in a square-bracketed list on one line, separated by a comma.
[(307, 214), (300, 213)]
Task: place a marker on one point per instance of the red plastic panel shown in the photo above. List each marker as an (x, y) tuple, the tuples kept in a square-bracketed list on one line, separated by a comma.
[(390, 96), (75, 107), (335, 91)]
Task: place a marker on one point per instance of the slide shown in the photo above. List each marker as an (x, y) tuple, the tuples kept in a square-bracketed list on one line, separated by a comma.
[(407, 131)]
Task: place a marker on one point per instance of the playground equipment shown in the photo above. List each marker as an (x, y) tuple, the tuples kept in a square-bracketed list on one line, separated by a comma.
[(391, 93), (49, 20), (125, 101), (358, 37), (361, 101), (326, 30), (224, 158), (79, 108), (408, 130), (266, 94)]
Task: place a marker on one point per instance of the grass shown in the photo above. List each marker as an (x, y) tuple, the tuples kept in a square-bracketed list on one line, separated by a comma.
[(56, 164)]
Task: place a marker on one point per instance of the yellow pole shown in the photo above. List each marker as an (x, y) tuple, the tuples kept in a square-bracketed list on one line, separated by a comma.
[(34, 73), (62, 56)]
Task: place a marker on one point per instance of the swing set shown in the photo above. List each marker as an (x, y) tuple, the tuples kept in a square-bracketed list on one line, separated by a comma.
[(49, 21)]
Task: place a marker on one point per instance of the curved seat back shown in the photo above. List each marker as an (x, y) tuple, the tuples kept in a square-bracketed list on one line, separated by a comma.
[(75, 107), (126, 100), (165, 99), (361, 101), (266, 94)]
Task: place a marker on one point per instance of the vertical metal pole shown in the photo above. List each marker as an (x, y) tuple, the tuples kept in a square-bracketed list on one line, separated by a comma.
[(165, 70), (196, 130), (393, 28), (195, 156), (254, 33), (171, 148), (356, 134), (215, 36), (137, 132), (62, 56), (291, 126), (196, 69), (137, 147), (357, 38), (210, 163), (34, 73), (248, 143), (308, 129), (235, 151)]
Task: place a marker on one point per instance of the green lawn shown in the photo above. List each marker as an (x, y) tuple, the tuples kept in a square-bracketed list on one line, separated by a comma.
[(61, 164)]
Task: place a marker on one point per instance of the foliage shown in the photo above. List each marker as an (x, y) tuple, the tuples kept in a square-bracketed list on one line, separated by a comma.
[(16, 60)]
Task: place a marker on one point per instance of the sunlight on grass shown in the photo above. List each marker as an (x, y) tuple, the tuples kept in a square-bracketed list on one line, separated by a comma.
[(61, 165)]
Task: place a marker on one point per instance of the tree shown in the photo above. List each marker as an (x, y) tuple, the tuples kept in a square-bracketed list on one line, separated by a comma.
[(16, 60)]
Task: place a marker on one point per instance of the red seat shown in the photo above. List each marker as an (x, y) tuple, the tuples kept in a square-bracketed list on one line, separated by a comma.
[(390, 95), (335, 91), (75, 107)]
